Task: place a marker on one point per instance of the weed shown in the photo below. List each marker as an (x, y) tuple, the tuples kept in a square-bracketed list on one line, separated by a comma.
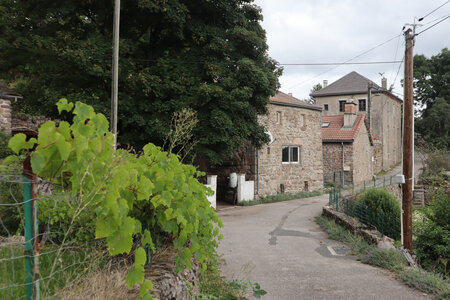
[(281, 197), (388, 259), (425, 281)]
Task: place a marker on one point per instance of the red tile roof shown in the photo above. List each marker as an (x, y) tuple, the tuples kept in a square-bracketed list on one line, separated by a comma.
[(334, 131)]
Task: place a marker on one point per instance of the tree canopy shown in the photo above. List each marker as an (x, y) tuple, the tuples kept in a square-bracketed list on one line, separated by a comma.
[(210, 56), (432, 89)]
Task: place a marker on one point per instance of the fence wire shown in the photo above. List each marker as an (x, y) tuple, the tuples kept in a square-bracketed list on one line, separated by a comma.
[(46, 249)]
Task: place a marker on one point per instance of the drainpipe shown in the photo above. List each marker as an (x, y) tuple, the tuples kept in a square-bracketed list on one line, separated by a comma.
[(342, 164), (257, 172)]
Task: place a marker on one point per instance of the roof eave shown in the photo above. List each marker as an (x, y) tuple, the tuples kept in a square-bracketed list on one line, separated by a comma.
[(295, 105)]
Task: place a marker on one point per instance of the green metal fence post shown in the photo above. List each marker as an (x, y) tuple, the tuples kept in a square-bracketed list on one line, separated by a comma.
[(28, 213)]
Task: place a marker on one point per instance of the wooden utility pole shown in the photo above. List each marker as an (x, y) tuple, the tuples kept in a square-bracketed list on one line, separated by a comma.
[(408, 141), (115, 71)]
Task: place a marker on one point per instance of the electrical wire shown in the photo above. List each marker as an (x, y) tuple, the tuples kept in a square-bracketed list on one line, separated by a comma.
[(398, 71), (420, 19), (433, 25), (349, 60)]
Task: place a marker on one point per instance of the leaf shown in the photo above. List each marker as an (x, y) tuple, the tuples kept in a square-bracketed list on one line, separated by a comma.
[(83, 111), (140, 257), (18, 142), (63, 147), (64, 129), (122, 240), (63, 105), (37, 162), (146, 286), (104, 227), (135, 275)]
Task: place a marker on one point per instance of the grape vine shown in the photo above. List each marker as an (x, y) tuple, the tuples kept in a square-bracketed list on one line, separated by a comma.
[(125, 190)]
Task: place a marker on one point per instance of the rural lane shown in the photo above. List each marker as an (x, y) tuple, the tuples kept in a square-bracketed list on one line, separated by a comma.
[(279, 246)]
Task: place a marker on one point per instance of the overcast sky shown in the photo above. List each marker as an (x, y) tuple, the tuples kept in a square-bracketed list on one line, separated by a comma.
[(321, 31)]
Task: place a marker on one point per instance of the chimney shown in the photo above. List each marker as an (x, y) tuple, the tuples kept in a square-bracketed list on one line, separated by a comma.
[(384, 83), (325, 83), (349, 114), (290, 94)]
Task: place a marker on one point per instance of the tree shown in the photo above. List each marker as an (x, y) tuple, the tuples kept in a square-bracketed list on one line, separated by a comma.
[(315, 88), (210, 56), (432, 89)]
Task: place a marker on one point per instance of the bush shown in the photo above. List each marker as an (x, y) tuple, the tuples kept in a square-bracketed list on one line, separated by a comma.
[(425, 281), (432, 240), (381, 202), (4, 150)]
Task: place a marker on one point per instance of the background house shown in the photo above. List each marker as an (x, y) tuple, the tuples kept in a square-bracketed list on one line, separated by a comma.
[(290, 163), (382, 107), (6, 95), (347, 148)]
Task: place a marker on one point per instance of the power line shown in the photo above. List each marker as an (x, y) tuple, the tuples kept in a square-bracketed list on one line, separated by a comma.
[(395, 56), (420, 19), (341, 63), (398, 71), (349, 60), (433, 25)]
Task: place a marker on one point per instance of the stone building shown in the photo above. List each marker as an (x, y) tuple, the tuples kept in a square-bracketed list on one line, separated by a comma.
[(382, 107), (6, 95), (291, 162), (347, 148)]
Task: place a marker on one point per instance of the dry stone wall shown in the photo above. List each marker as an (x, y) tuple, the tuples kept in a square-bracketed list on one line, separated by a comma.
[(5, 115)]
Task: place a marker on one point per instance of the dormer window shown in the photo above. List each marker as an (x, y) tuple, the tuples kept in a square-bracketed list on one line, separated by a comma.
[(325, 124)]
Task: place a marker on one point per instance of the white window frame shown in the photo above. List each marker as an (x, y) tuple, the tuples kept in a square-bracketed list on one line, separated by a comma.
[(290, 155)]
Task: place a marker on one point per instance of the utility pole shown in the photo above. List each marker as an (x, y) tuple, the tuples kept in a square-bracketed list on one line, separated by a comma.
[(115, 71), (408, 141)]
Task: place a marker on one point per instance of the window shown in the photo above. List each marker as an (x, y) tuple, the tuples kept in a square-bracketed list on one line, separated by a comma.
[(278, 117), (325, 107), (362, 104), (290, 154), (388, 107), (342, 105), (302, 120), (325, 124)]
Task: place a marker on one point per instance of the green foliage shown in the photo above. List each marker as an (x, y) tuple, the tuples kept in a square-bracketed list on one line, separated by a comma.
[(425, 281), (432, 234), (431, 88), (388, 259), (210, 56), (381, 203), (281, 197), (4, 150), (121, 190)]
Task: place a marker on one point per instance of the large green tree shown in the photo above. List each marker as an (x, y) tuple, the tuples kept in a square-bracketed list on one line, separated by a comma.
[(210, 56), (432, 90)]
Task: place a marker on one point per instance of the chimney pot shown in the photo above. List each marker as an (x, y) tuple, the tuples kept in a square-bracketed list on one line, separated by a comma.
[(290, 94), (349, 114), (325, 83), (384, 83)]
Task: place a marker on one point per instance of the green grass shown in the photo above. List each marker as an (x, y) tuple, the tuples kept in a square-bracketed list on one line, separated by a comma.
[(69, 266), (281, 197), (388, 259)]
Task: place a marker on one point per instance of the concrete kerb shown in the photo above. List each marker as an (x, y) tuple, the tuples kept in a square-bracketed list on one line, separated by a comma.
[(370, 235)]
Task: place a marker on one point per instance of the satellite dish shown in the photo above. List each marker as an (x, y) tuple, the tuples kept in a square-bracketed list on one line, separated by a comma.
[(270, 137)]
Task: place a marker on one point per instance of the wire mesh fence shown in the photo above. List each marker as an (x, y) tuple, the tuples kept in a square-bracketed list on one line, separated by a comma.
[(367, 216), (45, 246)]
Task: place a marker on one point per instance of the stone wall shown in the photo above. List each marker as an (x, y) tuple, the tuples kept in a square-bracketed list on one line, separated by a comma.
[(5, 115), (377, 156), (297, 127), (28, 124), (332, 162), (362, 157)]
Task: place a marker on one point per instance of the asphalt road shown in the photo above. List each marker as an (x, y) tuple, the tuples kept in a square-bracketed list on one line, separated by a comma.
[(279, 246)]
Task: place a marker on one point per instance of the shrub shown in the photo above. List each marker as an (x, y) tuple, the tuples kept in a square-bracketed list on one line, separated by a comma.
[(424, 281), (432, 242), (4, 150), (381, 203)]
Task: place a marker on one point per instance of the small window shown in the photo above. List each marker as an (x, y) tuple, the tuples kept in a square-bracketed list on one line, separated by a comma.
[(362, 104), (342, 105), (388, 107), (325, 107), (302, 120), (290, 154), (278, 117), (325, 124)]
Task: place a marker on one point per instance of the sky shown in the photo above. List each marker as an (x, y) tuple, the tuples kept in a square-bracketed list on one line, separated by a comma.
[(323, 31)]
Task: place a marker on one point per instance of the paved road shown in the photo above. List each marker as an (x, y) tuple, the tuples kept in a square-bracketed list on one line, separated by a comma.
[(280, 246)]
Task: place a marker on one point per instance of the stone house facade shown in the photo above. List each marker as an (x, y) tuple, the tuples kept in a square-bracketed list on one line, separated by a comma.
[(290, 163), (6, 96), (382, 108), (347, 148)]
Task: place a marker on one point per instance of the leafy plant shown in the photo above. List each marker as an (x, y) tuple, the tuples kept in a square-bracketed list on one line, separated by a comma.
[(280, 197), (388, 259), (4, 150), (425, 281), (123, 190), (432, 234), (383, 211)]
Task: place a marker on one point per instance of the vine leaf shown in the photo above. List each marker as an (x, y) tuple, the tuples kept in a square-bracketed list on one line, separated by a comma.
[(19, 142), (63, 105)]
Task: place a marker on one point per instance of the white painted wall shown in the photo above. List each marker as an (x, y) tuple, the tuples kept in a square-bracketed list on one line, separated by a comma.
[(245, 189), (212, 184)]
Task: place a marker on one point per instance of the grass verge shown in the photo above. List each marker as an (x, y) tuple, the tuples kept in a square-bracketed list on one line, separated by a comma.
[(281, 197), (388, 259)]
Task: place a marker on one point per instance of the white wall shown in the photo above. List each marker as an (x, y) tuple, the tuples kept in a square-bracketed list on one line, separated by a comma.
[(245, 189), (212, 184)]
